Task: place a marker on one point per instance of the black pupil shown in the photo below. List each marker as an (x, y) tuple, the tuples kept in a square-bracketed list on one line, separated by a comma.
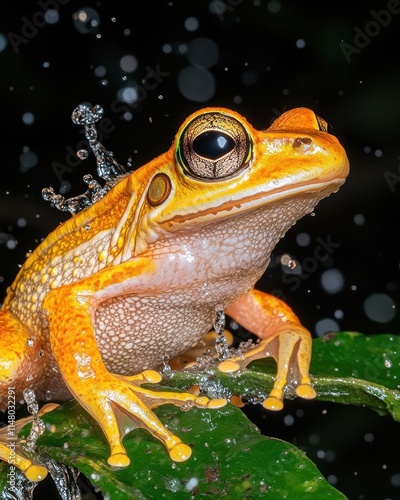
[(213, 144)]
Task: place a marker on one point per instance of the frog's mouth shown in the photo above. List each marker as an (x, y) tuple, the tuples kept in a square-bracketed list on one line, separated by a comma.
[(230, 208)]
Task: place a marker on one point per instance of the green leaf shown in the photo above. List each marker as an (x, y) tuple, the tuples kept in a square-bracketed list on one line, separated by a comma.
[(230, 459), (358, 369), (346, 367)]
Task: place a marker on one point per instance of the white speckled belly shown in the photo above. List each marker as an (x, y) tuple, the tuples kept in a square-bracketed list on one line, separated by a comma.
[(151, 328)]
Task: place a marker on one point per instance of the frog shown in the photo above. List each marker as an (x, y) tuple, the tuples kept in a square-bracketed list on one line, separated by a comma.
[(137, 277)]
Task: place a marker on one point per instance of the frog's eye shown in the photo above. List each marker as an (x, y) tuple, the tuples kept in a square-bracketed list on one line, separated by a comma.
[(214, 146)]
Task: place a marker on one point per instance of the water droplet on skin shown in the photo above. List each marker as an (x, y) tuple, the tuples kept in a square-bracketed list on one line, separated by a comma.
[(30, 342), (388, 363)]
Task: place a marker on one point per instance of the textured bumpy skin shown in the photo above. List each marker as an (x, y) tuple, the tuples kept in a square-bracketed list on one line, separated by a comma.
[(138, 275)]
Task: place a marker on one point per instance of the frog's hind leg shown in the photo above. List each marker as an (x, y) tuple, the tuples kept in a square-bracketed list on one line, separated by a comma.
[(19, 361), (282, 336)]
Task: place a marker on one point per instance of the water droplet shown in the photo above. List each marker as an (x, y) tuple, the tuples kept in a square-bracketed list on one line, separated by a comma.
[(166, 370), (86, 20), (286, 259), (82, 154), (29, 396), (187, 405), (221, 344)]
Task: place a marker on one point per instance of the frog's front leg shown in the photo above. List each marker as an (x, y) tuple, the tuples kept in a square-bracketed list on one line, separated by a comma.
[(282, 337), (108, 397)]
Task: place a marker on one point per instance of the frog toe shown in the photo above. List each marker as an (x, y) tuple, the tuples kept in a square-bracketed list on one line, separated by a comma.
[(150, 376), (272, 403), (229, 366), (205, 402), (118, 457), (180, 452), (306, 391), (33, 471)]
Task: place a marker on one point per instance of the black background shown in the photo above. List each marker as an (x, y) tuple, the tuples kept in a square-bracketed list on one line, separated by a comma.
[(48, 69)]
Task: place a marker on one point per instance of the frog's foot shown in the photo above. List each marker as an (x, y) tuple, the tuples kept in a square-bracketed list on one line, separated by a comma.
[(11, 449), (291, 348), (34, 472), (114, 398)]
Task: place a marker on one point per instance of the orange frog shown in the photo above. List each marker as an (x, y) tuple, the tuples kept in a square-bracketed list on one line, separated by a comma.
[(136, 276)]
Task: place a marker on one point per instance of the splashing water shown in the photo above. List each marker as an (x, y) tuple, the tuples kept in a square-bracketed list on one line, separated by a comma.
[(38, 426), (65, 479), (221, 344), (108, 168)]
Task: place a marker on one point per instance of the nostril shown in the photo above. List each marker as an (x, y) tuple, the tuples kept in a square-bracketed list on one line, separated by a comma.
[(301, 141)]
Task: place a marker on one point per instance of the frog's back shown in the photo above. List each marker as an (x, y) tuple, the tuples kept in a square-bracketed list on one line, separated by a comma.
[(75, 249)]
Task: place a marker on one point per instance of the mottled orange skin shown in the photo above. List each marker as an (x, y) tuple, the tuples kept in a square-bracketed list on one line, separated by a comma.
[(138, 275)]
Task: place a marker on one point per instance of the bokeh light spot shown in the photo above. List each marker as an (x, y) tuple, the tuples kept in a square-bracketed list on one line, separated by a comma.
[(379, 307), (191, 23), (128, 94), (86, 20), (359, 219), (274, 6), (332, 281), (100, 71), (326, 325), (196, 84), (203, 52), (3, 42), (51, 16), (300, 43), (303, 239), (128, 63), (28, 118), (28, 159)]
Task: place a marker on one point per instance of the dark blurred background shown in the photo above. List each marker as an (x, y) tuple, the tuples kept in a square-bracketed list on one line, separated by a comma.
[(260, 58)]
